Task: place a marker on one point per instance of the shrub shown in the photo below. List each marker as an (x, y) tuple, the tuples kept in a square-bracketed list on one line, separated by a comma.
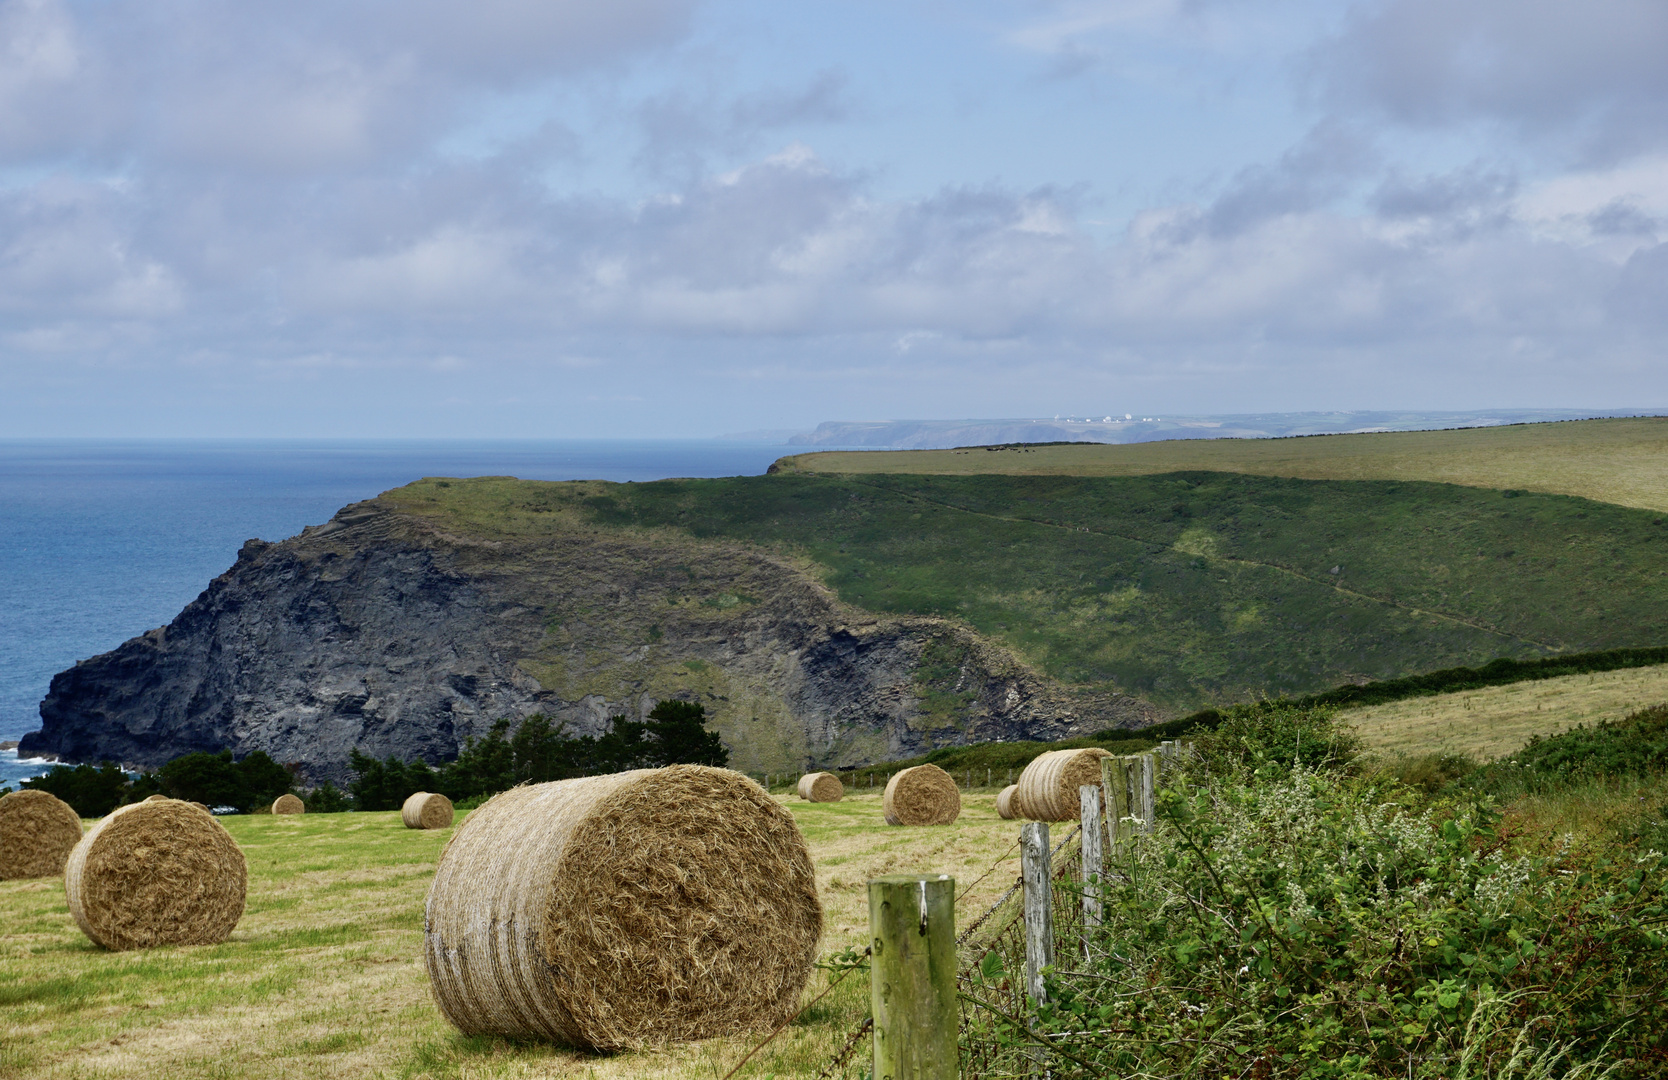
[(1271, 741), (1302, 927), (93, 791)]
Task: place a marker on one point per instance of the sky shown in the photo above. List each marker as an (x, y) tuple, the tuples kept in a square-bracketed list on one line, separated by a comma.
[(643, 218)]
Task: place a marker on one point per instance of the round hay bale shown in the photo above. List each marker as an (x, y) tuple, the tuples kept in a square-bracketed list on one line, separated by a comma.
[(821, 787), (609, 911), (155, 798), (203, 807), (38, 831), (426, 810), (1048, 786), (288, 804), (156, 873), (922, 795), (1005, 803)]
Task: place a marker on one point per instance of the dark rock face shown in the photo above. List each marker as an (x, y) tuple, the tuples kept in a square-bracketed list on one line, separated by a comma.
[(381, 631)]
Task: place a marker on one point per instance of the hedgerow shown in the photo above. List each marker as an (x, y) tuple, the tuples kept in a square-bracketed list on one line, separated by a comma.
[(1289, 920)]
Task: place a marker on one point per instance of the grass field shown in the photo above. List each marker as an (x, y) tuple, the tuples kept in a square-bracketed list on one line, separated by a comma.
[(1618, 461), (1185, 589), (1495, 721), (323, 978)]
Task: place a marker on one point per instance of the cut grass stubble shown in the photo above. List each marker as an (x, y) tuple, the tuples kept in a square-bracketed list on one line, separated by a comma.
[(323, 977)]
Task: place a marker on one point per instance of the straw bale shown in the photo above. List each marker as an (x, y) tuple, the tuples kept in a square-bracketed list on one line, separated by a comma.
[(922, 795), (37, 832), (1005, 803), (203, 807), (1048, 786), (156, 873), (609, 911), (156, 798), (288, 804), (821, 787), (426, 810)]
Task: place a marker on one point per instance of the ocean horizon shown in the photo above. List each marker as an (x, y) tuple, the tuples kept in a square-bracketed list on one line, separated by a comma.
[(104, 539)]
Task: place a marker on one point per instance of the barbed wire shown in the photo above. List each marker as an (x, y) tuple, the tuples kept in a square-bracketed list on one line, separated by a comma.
[(768, 1039)]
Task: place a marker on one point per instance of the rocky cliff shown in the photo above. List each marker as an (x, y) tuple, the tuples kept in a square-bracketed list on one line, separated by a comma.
[(403, 634)]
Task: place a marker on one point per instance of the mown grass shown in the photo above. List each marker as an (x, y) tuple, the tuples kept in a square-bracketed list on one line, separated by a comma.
[(1497, 720), (1617, 461), (323, 977), (1186, 589)]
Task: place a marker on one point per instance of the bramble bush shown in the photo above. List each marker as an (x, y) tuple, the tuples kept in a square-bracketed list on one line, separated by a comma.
[(1293, 921)]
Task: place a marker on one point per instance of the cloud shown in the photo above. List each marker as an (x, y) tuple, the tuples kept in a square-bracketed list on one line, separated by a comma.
[(1585, 79), (297, 86)]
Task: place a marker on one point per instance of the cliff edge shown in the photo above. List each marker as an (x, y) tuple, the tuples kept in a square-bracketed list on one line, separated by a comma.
[(397, 632)]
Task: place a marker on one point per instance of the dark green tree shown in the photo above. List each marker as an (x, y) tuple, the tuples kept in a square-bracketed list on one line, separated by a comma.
[(93, 791), (678, 735)]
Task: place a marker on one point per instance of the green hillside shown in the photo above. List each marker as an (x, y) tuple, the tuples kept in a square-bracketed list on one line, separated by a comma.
[(1620, 461), (1184, 588)]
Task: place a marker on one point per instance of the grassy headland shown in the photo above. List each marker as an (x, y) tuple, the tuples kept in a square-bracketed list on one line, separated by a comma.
[(1182, 588), (1618, 461)]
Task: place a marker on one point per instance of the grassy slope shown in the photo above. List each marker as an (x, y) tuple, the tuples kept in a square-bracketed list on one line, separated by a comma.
[(1618, 461), (1182, 588), (324, 978), (1492, 722)]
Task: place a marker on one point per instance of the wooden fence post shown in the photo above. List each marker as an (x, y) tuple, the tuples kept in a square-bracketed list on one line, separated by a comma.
[(1115, 787), (1149, 805), (912, 982), (1093, 865), (1039, 906)]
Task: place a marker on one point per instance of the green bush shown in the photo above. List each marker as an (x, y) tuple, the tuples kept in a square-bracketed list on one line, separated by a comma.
[(674, 733), (1632, 747), (93, 791), (219, 780), (1273, 740), (1305, 927)]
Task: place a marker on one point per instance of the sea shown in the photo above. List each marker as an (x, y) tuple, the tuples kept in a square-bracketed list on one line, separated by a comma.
[(101, 540)]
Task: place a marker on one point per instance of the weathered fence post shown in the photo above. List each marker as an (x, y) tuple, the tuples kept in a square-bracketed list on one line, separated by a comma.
[(1039, 906), (912, 982), (1093, 864), (1149, 804), (1115, 786)]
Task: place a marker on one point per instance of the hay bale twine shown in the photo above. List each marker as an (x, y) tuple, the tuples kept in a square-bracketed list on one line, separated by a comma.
[(288, 804), (156, 873), (426, 810), (922, 795), (38, 831), (1005, 803), (608, 911), (1048, 786), (821, 787)]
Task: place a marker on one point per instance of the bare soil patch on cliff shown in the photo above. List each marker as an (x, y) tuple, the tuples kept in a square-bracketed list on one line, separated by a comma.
[(324, 977)]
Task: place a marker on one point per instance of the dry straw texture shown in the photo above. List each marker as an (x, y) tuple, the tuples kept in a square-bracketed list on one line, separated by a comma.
[(609, 911), (821, 787), (37, 832), (1048, 786), (923, 795), (426, 810), (156, 873), (1005, 803), (288, 804)]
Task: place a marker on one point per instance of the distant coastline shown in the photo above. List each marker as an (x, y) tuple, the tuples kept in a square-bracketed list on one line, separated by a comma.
[(1131, 428)]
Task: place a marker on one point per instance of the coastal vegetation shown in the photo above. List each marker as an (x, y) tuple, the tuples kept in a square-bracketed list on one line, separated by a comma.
[(1183, 589)]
